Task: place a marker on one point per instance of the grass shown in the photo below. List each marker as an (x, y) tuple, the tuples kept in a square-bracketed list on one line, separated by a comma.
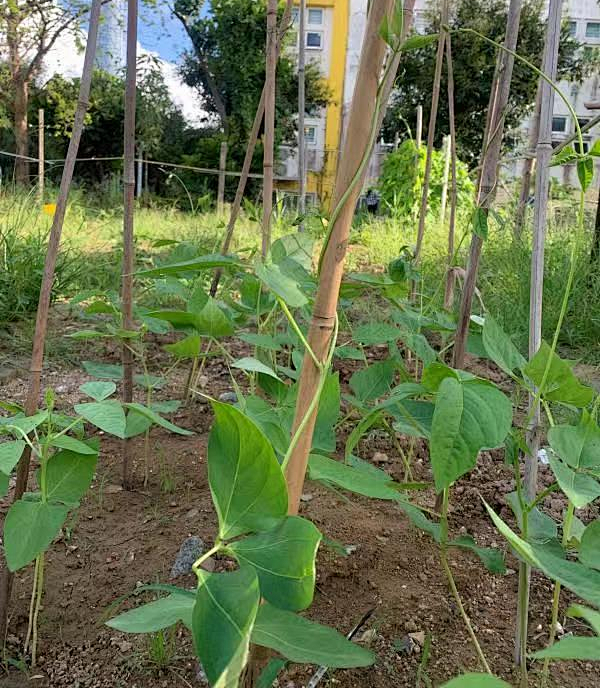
[(91, 257)]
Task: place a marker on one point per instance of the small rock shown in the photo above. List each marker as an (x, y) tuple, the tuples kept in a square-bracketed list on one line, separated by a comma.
[(418, 637), (208, 564), (462, 530), (192, 513), (306, 497), (410, 626), (381, 539), (125, 646), (191, 548), (228, 397), (559, 629), (203, 380), (380, 457), (368, 636)]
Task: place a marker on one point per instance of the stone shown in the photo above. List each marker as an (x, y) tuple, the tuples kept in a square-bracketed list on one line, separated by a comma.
[(418, 637), (380, 457), (191, 549), (228, 397)]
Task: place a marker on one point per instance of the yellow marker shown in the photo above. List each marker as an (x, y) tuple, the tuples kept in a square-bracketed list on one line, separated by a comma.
[(49, 209)]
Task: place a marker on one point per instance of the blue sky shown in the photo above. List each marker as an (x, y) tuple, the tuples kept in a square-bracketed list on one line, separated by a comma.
[(161, 32)]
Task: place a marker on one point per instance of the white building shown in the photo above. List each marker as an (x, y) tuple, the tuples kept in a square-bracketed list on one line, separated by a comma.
[(112, 37)]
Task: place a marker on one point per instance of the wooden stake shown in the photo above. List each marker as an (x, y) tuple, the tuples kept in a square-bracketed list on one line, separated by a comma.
[(542, 188), (301, 111), (419, 136), (41, 323), (41, 155), (221, 187), (140, 173), (324, 312), (449, 290), (128, 213), (250, 148), (489, 170), (269, 137), (528, 167), (446, 175)]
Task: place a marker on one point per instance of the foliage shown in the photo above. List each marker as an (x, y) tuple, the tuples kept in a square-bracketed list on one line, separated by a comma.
[(474, 64), (401, 180)]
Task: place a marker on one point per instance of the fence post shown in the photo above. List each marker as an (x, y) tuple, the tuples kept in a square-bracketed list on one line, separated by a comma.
[(41, 155)]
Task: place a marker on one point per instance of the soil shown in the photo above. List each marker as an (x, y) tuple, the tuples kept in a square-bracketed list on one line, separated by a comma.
[(118, 540)]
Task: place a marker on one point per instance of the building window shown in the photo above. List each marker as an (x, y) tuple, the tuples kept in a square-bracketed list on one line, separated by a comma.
[(559, 124), (592, 30), (583, 121), (310, 135), (314, 39), (572, 28), (315, 16)]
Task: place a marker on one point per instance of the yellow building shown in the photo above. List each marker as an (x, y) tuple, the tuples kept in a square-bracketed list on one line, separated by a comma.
[(333, 39)]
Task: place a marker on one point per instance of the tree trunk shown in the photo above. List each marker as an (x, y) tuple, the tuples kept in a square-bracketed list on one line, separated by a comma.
[(21, 131)]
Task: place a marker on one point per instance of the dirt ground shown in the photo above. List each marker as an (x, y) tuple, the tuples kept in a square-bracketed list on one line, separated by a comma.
[(118, 540)]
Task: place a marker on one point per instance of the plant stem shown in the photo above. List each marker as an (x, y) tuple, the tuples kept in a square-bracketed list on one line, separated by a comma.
[(38, 604), (32, 604), (452, 583)]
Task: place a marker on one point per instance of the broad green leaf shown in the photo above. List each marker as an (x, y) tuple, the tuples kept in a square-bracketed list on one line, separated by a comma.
[(434, 374), (88, 334), (268, 420), (263, 341), (583, 581), (561, 384), (25, 424), (136, 424), (476, 681), (469, 416), (413, 418), (581, 489), (10, 453), (419, 345), (306, 642), (362, 427), (223, 619), (156, 615), (194, 265), (73, 445), (197, 299), (572, 647), (418, 41), (98, 390), (280, 284), (106, 415), (185, 348), (69, 476), (284, 560), (167, 406), (418, 518), (592, 616), (595, 149), (352, 479), (29, 528), (493, 559), (374, 381), (269, 674), (324, 438), (350, 353), (246, 480), (211, 321), (179, 319), (106, 371), (500, 348), (577, 445), (589, 550), (564, 156), (376, 333), (585, 172), (297, 246), (540, 527), (155, 418), (253, 365), (4, 483), (480, 222), (149, 381)]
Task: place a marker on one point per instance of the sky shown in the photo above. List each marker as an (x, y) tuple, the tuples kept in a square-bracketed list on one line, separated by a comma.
[(159, 31)]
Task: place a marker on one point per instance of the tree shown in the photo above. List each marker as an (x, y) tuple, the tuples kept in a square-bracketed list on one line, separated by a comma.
[(474, 65), (227, 66), (28, 30)]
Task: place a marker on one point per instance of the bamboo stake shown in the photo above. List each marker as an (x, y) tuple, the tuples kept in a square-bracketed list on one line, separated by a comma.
[(489, 170), (301, 111), (250, 148), (221, 186), (323, 319), (445, 178), (542, 188), (269, 137), (41, 155), (128, 213), (41, 323), (449, 291), (528, 167), (419, 132), (435, 99)]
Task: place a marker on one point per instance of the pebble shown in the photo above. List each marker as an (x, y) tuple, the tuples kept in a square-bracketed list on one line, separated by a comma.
[(306, 497), (191, 548), (380, 457), (228, 397), (418, 637), (410, 626)]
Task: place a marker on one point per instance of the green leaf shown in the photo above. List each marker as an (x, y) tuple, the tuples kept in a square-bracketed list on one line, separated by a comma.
[(136, 424), (581, 489), (88, 334), (376, 333), (418, 41), (577, 445), (263, 341), (385, 32), (69, 476), (246, 480), (167, 406), (213, 322), (589, 550), (10, 453), (324, 438), (480, 223), (185, 348), (306, 642), (352, 479), (585, 172), (564, 156), (373, 381), (350, 353), (469, 416), (179, 319), (595, 149), (572, 647), (106, 415), (500, 348), (149, 381), (72, 444), (156, 419), (419, 345), (297, 247), (253, 365), (156, 615), (284, 560), (561, 384), (476, 681), (279, 283), (29, 528), (413, 418), (269, 674), (26, 424), (493, 559), (362, 427), (4, 483), (106, 371), (540, 527), (197, 299), (98, 390), (592, 616), (194, 265), (434, 374), (223, 619)]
